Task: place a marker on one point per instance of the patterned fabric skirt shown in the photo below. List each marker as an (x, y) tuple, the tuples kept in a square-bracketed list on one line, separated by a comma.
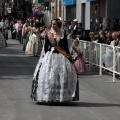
[(80, 65), (3, 42), (55, 80), (32, 47)]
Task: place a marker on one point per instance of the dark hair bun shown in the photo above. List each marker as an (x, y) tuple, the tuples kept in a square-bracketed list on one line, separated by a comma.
[(59, 23)]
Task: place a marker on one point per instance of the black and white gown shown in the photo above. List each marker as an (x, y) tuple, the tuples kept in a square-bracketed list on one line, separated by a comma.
[(55, 78)]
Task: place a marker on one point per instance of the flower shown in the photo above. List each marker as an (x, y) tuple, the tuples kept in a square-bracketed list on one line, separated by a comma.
[(72, 58)]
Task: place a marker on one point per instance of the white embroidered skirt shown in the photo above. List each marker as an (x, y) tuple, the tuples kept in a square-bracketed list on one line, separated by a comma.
[(56, 79)]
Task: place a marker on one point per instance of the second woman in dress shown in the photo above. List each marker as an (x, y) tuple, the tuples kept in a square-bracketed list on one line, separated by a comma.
[(77, 53)]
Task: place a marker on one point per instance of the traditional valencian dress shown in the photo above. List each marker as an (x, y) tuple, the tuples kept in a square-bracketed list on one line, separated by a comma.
[(3, 42), (26, 41), (55, 78), (79, 60), (32, 45)]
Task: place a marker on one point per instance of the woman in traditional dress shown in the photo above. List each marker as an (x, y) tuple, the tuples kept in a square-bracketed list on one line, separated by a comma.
[(55, 78), (32, 45), (3, 42), (28, 32), (78, 56)]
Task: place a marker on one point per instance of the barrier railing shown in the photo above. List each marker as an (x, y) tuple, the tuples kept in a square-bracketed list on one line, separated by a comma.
[(104, 56), (117, 53)]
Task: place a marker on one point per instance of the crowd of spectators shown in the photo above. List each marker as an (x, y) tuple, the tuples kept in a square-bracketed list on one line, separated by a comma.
[(108, 35), (23, 30)]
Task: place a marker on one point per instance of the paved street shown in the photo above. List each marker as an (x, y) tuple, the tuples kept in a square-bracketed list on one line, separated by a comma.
[(99, 100)]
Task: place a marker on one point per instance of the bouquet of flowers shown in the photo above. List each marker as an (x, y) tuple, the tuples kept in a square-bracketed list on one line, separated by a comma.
[(72, 58)]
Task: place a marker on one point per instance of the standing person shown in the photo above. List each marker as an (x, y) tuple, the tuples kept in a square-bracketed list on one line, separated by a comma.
[(24, 30), (99, 25), (13, 30), (102, 37), (28, 32), (114, 38), (108, 25), (116, 26), (108, 35), (16, 28), (79, 30), (71, 26), (2, 23), (20, 32), (3, 42), (85, 36), (75, 26), (39, 38), (78, 56), (55, 79), (31, 26), (65, 26), (32, 45)]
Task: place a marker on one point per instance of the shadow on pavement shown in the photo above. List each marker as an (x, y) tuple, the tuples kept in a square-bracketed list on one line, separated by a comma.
[(80, 104)]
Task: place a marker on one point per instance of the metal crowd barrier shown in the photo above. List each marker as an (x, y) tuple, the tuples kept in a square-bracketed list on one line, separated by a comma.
[(104, 56), (117, 56)]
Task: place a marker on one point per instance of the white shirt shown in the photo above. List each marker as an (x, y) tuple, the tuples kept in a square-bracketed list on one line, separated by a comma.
[(16, 26)]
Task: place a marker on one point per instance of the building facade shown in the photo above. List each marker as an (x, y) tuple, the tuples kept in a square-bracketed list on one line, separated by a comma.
[(22, 8), (90, 12), (69, 9), (57, 9), (66, 9)]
